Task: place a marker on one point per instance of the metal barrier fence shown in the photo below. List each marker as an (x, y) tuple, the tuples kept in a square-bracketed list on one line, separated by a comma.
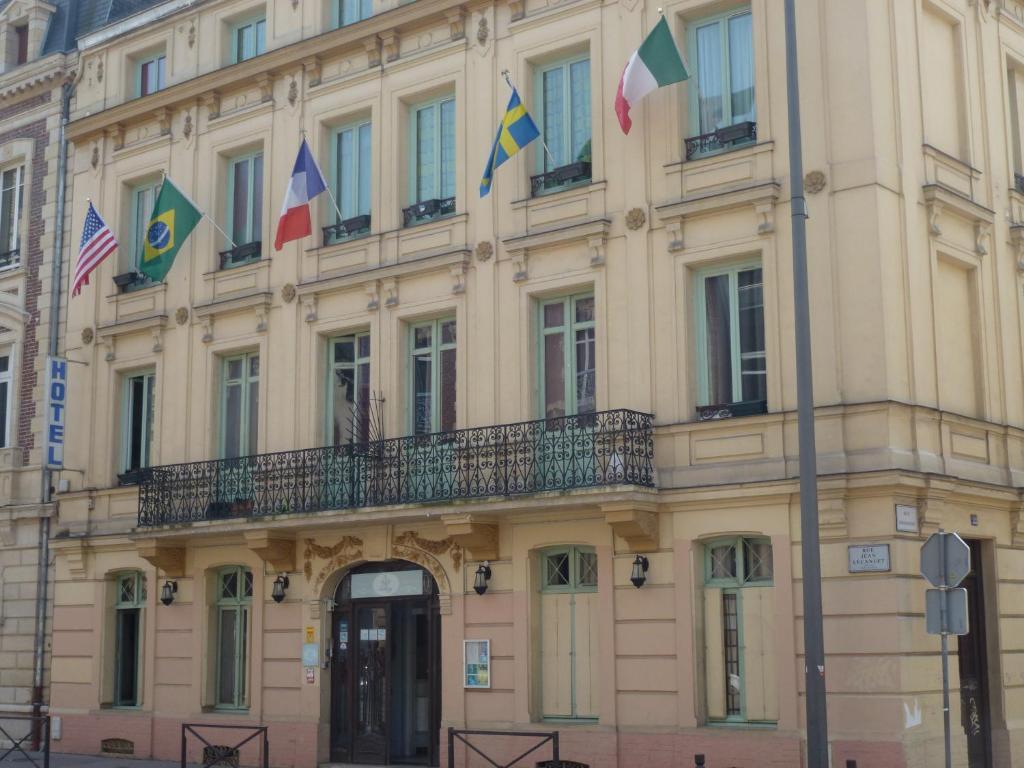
[(38, 728), (223, 755), (544, 737)]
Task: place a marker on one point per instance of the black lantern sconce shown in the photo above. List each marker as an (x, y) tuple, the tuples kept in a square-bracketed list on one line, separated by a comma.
[(280, 585), (167, 593), (639, 575), (483, 575)]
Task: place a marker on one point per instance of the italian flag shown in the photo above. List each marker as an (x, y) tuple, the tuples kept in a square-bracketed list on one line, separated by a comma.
[(656, 63)]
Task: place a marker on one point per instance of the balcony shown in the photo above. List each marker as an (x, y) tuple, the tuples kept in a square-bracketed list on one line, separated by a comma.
[(425, 210), (241, 254), (565, 453), (127, 282), (560, 178), (729, 137), (353, 227)]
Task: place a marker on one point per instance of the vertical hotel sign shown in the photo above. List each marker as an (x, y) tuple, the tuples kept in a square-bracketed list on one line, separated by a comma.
[(56, 407)]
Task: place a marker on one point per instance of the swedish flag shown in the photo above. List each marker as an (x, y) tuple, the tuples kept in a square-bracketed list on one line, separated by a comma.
[(517, 129)]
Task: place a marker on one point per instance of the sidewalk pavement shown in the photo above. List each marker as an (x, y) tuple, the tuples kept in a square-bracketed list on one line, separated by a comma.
[(84, 761)]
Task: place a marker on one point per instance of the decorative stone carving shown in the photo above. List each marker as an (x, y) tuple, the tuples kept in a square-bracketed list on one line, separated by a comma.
[(456, 23), (345, 551), (517, 9), (410, 546), (99, 72), (519, 265), (484, 250), (373, 55), (482, 31), (309, 306), (765, 213), (288, 293), (87, 335), (181, 315), (596, 248), (312, 68), (192, 34), (163, 119), (265, 81), (389, 288), (207, 329), (1017, 240), (390, 44), (635, 218), (478, 539), (94, 161), (293, 92), (211, 101), (372, 296), (1017, 527), (186, 128), (116, 135), (674, 230), (982, 229), (458, 273), (158, 338), (934, 211), (814, 182), (261, 317)]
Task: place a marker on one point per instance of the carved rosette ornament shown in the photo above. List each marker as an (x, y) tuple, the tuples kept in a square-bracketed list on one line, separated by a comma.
[(814, 182), (288, 293), (181, 315), (484, 250), (87, 335), (635, 218)]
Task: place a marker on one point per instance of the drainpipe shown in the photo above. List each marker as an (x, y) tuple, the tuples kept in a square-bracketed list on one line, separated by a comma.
[(57, 266)]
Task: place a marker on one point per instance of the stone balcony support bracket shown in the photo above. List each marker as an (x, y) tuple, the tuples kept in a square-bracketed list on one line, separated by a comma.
[(635, 523), (273, 548), (480, 540), (163, 556)]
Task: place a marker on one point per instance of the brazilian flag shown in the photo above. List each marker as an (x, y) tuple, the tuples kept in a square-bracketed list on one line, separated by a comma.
[(174, 217)]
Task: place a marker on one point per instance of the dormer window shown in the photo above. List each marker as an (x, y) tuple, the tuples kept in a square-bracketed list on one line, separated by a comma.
[(23, 25), (21, 44), (248, 39), (150, 74)]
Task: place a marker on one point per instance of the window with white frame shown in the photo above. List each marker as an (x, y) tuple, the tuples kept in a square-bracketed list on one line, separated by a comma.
[(432, 166), (150, 74), (12, 182), (143, 199), (350, 11), (351, 166), (239, 401), (234, 598), (721, 49), (730, 335), (739, 631), (248, 39), (6, 397), (137, 422), (244, 210), (348, 399), (564, 113), (567, 350), (433, 347)]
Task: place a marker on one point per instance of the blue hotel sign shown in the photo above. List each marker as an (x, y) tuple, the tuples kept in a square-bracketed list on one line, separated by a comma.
[(56, 407)]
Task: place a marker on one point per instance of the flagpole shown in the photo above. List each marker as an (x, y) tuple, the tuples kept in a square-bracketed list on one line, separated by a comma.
[(541, 136), (327, 187)]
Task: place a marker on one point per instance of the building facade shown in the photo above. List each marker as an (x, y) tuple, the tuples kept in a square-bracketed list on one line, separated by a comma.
[(304, 486)]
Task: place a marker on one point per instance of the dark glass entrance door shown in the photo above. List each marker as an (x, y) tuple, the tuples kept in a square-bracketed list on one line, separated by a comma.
[(385, 673), (974, 700)]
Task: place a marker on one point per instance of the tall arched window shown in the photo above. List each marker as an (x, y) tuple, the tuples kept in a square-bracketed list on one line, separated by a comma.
[(129, 600), (234, 598)]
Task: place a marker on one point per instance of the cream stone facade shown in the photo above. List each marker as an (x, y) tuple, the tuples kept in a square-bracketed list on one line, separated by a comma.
[(581, 370)]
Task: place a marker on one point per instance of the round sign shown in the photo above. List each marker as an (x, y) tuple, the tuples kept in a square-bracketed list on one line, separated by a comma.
[(158, 235), (386, 584)]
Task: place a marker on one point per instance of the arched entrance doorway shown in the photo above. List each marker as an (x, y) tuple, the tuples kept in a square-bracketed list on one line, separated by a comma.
[(386, 666)]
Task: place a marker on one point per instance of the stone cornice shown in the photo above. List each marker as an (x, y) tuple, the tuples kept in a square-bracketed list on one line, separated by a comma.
[(287, 57), (30, 77)]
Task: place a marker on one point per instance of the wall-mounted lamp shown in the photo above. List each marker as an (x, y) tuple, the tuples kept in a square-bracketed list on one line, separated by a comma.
[(639, 575), (280, 585), (483, 575), (167, 593)]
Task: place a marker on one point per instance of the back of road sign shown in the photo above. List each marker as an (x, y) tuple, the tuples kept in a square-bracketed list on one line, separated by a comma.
[(956, 611), (949, 568)]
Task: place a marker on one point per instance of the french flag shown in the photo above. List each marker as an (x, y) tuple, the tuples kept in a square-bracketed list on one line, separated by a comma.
[(306, 183)]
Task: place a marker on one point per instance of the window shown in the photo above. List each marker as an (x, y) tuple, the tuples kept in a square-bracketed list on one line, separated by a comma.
[(1015, 89), (21, 44), (150, 74), (730, 335), (351, 11), (564, 108), (240, 398), (432, 171), (433, 376), (248, 39), (568, 673), (130, 598), (739, 631), (234, 596), (722, 93), (348, 398), (351, 162), (244, 210), (6, 393), (11, 192), (137, 421), (143, 199), (567, 370)]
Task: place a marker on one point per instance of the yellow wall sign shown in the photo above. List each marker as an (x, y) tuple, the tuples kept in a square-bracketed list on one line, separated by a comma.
[(310, 634)]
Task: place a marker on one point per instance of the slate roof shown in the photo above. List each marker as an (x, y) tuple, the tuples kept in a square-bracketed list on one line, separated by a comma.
[(75, 18)]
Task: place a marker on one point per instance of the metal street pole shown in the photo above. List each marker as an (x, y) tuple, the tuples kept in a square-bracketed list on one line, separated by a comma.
[(944, 624), (814, 644)]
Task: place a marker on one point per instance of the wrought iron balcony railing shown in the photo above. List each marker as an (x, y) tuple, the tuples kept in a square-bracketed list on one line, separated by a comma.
[(425, 210), (724, 138), (357, 225), (241, 254), (596, 449), (8, 258), (560, 178)]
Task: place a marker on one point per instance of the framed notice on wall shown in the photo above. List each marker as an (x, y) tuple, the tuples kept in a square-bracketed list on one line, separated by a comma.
[(476, 662)]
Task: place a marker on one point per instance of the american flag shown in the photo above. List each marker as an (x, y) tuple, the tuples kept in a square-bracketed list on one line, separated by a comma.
[(97, 243)]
